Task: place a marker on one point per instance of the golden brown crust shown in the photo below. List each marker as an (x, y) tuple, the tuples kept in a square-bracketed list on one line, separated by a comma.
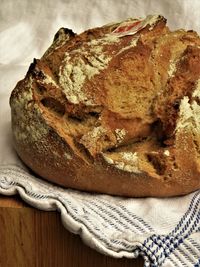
[(114, 110)]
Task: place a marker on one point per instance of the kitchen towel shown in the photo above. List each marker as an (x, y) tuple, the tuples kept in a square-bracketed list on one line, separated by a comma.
[(166, 232)]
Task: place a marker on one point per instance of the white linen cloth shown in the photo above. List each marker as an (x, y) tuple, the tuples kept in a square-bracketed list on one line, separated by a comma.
[(166, 232)]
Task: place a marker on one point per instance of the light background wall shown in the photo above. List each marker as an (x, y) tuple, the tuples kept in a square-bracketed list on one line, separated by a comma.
[(27, 27)]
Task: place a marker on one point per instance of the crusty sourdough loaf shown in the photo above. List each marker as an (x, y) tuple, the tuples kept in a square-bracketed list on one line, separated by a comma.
[(114, 110)]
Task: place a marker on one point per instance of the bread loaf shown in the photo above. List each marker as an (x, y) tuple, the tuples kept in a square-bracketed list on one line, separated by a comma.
[(115, 109)]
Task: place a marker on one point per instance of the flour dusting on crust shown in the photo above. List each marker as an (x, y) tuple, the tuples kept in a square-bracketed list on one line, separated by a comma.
[(76, 69), (120, 134), (35, 129), (126, 161), (189, 115)]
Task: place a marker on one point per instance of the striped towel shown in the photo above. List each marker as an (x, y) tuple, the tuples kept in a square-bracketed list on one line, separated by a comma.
[(165, 232)]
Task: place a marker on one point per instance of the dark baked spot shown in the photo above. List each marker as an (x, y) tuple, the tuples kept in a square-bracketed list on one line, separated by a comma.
[(34, 71), (83, 151), (75, 118), (41, 89), (167, 178), (157, 162), (38, 74), (157, 129), (32, 66), (175, 166), (176, 104), (53, 105), (94, 114)]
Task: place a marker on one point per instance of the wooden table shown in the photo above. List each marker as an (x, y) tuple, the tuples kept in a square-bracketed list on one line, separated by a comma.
[(29, 237)]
